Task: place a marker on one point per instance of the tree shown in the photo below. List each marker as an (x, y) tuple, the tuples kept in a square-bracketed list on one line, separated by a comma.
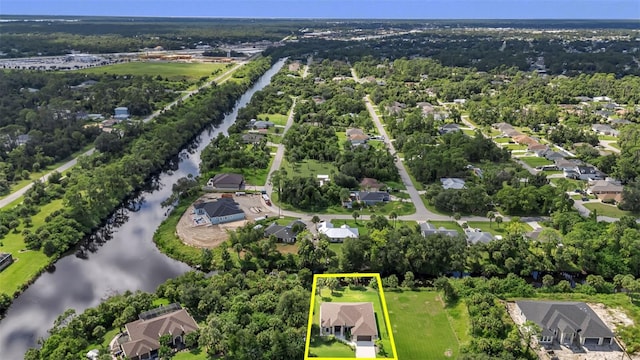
[(548, 281), (409, 280), (498, 220), (315, 220), (391, 281), (491, 215), (355, 216), (393, 216)]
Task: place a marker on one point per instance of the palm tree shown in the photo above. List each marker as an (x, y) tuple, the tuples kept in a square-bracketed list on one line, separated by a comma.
[(498, 220), (355, 215), (315, 220), (393, 216), (491, 215)]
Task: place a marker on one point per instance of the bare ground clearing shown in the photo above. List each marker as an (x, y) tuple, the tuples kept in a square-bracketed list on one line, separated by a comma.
[(205, 235)]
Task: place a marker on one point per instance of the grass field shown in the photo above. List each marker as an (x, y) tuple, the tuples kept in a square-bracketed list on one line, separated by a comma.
[(348, 295), (330, 348), (277, 119), (196, 354), (535, 161), (494, 229), (173, 71), (609, 210), (423, 328), (307, 168), (451, 225), (27, 263)]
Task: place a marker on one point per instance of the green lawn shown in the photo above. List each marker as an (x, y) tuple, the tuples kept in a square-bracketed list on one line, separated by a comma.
[(323, 347), (494, 229), (348, 295), (535, 161), (173, 71), (501, 140), (27, 263), (277, 119), (395, 185), (104, 344), (607, 137), (609, 210), (308, 168), (469, 132), (195, 354), (515, 147), (423, 328)]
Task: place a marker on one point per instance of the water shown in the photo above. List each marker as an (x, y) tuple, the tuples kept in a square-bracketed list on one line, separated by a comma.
[(125, 259)]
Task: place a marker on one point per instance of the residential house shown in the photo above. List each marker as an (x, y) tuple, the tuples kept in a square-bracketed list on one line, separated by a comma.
[(371, 184), (459, 101), (553, 155), (371, 197), (448, 128), (22, 139), (395, 108), (358, 139), (452, 183), (619, 122), (568, 323), (475, 236), (252, 138), (538, 149), (427, 228), (606, 190), (426, 108), (342, 320), (354, 131), (584, 173), (506, 129), (5, 260), (259, 124), (143, 335), (121, 113), (286, 233), (220, 211), (565, 164), (603, 129), (525, 140), (601, 98), (226, 181), (337, 234)]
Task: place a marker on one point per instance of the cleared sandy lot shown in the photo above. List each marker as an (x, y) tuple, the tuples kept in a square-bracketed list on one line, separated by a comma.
[(205, 235)]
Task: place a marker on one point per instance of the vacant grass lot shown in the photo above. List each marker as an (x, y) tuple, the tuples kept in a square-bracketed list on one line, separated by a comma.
[(494, 228), (423, 328), (27, 263), (348, 295), (451, 225), (609, 210), (535, 161), (277, 119), (173, 71)]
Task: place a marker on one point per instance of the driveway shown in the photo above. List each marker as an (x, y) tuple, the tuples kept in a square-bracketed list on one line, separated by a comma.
[(365, 349)]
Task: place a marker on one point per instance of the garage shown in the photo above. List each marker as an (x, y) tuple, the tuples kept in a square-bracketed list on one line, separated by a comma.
[(363, 338), (591, 341)]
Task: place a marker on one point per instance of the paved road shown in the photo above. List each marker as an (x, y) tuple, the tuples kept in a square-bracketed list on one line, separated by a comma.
[(607, 145), (71, 163)]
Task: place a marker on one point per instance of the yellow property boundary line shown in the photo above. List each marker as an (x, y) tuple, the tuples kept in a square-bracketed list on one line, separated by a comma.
[(384, 310)]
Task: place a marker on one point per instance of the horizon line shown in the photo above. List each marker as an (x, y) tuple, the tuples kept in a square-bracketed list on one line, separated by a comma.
[(323, 18)]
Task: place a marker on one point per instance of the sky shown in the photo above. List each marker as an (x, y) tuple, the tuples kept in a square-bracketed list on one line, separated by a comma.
[(336, 9)]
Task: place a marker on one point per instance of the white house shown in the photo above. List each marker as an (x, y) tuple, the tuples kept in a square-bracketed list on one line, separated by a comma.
[(338, 234)]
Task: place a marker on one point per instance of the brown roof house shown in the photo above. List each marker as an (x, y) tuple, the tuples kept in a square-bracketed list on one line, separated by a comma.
[(145, 332), (606, 190), (355, 321)]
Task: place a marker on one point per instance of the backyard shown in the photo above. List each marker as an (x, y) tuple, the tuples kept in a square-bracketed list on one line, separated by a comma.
[(608, 210)]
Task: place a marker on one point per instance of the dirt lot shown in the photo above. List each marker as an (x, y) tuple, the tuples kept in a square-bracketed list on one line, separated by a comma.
[(611, 317), (205, 235)]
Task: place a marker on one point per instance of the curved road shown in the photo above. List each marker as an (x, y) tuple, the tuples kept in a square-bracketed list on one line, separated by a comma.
[(71, 163)]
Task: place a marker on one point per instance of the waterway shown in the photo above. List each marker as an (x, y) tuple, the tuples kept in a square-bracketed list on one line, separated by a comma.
[(122, 257)]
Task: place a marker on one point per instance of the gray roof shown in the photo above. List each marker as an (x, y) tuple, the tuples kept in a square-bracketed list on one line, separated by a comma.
[(479, 236), (282, 232), (566, 316), (220, 207), (429, 229), (227, 179), (452, 183), (373, 196)]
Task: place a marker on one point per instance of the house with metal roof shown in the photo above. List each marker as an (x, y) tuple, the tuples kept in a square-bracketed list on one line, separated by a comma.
[(285, 233), (452, 183), (226, 181), (337, 234), (427, 228), (569, 323), (220, 211), (372, 197)]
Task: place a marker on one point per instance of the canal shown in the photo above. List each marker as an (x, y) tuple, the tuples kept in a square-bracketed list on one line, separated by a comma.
[(125, 259)]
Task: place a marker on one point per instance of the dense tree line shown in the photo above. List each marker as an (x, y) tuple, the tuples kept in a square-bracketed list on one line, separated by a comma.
[(311, 142), (231, 151), (361, 162)]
